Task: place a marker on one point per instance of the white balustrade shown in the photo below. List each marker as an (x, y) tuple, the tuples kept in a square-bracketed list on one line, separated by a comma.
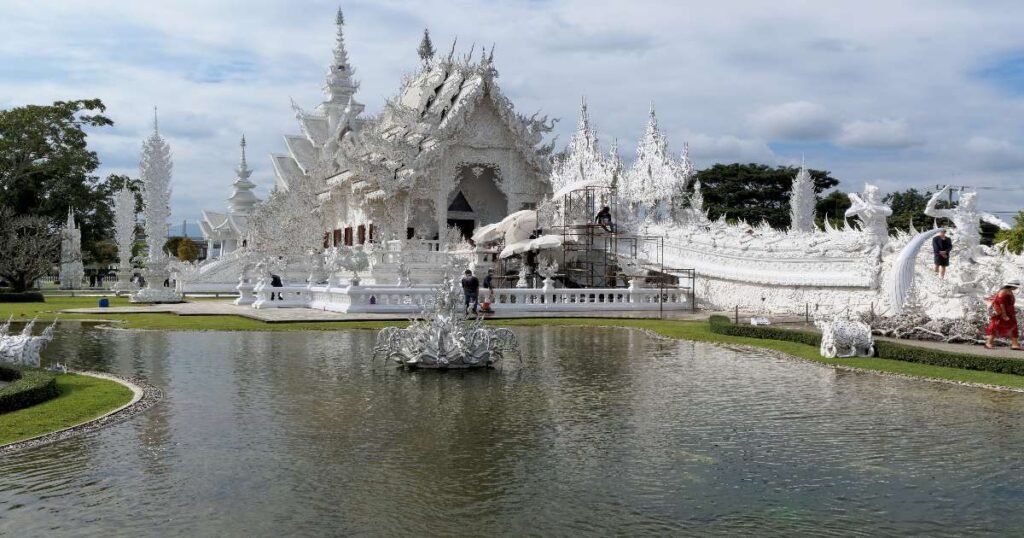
[(397, 300)]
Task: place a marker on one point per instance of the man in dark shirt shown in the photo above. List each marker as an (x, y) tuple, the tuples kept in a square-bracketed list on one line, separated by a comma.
[(471, 290), (489, 286), (941, 246)]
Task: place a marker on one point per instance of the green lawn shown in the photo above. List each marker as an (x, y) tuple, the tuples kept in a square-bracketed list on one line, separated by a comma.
[(81, 398), (686, 330)]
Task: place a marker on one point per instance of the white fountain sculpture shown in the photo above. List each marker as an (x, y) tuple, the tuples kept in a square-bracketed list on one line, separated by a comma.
[(442, 338), (23, 349), (155, 172), (124, 234)]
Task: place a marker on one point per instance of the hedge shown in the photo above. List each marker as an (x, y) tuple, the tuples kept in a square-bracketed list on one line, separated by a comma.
[(27, 297), (28, 386), (722, 325), (935, 357), (884, 350)]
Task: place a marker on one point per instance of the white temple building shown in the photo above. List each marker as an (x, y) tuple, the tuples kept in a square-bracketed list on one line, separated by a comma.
[(448, 150), (224, 231)]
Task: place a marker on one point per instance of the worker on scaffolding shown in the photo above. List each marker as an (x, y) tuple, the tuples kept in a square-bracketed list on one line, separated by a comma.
[(604, 219)]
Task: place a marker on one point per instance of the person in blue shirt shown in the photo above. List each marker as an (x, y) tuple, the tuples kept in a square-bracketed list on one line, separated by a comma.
[(942, 246)]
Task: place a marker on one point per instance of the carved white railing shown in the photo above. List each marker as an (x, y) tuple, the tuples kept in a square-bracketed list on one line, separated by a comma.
[(394, 299)]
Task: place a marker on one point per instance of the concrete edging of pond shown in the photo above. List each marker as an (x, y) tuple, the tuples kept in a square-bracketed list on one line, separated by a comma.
[(144, 396)]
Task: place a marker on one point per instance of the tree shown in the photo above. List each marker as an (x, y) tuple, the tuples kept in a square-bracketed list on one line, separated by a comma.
[(832, 207), (1014, 237), (754, 192), (909, 206), (29, 248), (187, 250), (46, 166), (426, 48)]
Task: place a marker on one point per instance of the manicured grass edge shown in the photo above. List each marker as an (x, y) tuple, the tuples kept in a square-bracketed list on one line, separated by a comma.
[(84, 398), (28, 387), (883, 349)]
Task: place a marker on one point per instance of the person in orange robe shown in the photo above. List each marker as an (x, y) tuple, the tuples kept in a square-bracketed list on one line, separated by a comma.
[(1004, 317)]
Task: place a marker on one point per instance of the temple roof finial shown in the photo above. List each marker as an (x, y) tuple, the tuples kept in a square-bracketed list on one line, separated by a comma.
[(339, 19), (426, 49), (243, 164), (156, 123)]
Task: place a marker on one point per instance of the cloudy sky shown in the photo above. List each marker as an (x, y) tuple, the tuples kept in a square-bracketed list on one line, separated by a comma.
[(908, 93)]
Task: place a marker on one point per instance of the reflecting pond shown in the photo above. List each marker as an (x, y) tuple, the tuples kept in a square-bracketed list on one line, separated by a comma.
[(598, 431)]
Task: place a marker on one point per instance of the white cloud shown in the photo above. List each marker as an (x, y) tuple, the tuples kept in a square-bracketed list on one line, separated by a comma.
[(798, 120), (879, 134), (995, 154), (217, 70), (728, 148)]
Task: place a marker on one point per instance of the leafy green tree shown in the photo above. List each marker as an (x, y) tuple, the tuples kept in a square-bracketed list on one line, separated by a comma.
[(909, 205), (1014, 237), (187, 250), (46, 166), (754, 192), (833, 207)]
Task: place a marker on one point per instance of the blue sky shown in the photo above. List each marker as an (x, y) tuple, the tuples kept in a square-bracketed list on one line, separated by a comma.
[(911, 94)]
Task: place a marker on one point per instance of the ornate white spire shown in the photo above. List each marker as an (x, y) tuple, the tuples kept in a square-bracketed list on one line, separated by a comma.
[(426, 49), (801, 201), (71, 269), (339, 85), (583, 160), (654, 178), (242, 200), (155, 173)]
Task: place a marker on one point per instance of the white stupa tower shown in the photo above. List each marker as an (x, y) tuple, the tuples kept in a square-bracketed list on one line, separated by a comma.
[(223, 231), (802, 201), (71, 270), (155, 172)]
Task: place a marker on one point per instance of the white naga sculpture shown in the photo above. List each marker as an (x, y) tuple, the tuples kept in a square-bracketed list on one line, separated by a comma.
[(71, 270), (23, 349), (155, 173), (841, 337), (965, 217), (124, 235), (873, 214)]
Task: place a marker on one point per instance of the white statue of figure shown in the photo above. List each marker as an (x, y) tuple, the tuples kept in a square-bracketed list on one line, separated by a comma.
[(965, 218), (872, 214), (124, 235), (155, 173), (71, 270)]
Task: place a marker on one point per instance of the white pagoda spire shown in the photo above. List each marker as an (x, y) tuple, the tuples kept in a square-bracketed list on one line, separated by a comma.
[(124, 235), (71, 269), (801, 201), (654, 177), (340, 86), (242, 200), (155, 173), (583, 159)]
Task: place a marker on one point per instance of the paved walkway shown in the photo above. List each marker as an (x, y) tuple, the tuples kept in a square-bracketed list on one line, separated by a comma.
[(285, 315)]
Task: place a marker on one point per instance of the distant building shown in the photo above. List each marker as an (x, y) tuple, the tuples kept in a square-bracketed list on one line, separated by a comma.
[(223, 231)]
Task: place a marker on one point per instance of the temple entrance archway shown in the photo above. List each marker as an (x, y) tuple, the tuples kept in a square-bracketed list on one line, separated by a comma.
[(476, 199)]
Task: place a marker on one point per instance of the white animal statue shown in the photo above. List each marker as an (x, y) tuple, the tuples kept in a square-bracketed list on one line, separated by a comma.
[(23, 349), (841, 337)]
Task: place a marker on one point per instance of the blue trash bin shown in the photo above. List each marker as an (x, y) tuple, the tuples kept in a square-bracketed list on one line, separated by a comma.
[(104, 302)]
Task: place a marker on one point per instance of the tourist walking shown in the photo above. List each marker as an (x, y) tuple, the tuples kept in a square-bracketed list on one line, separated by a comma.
[(942, 246), (275, 282), (471, 290), (1003, 323), (604, 219), (489, 286)]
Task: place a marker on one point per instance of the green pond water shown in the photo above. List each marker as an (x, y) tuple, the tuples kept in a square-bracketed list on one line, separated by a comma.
[(597, 432)]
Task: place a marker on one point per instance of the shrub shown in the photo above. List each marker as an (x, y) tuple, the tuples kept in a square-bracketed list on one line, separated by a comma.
[(26, 297), (935, 357), (722, 325), (28, 387), (885, 350)]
